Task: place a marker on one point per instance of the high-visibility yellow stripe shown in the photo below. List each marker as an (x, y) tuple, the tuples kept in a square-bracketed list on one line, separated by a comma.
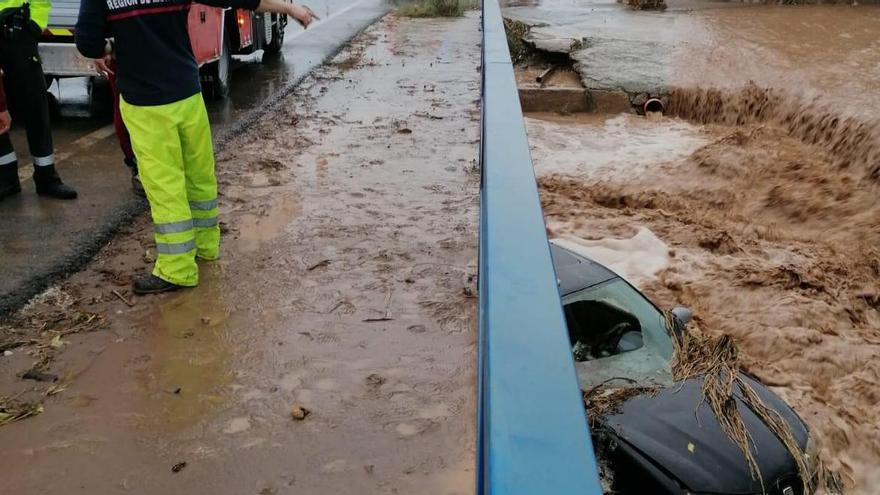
[(60, 31)]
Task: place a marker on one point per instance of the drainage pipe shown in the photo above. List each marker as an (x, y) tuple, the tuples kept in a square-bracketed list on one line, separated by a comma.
[(542, 77), (654, 105)]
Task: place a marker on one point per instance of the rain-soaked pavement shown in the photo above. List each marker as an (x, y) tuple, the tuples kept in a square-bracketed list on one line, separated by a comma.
[(345, 288), (43, 240)]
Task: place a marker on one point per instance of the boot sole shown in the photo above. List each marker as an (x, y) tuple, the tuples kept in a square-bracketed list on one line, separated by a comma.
[(145, 292), (55, 196)]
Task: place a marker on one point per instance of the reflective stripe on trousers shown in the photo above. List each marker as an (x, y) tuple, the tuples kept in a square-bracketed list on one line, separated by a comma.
[(8, 158), (175, 156), (44, 161)]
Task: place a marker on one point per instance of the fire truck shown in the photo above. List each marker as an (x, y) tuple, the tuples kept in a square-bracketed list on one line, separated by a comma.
[(216, 35)]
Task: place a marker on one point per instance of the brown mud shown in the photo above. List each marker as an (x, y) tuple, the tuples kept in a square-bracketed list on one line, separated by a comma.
[(345, 289), (770, 241)]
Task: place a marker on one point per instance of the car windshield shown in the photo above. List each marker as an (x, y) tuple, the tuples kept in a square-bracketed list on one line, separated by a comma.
[(617, 334)]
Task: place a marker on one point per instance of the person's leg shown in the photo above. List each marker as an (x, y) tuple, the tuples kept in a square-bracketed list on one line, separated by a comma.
[(26, 87), (155, 137), (123, 138), (122, 135), (201, 183), (9, 184)]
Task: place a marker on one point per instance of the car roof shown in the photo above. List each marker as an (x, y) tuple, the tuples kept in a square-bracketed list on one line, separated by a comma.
[(575, 272)]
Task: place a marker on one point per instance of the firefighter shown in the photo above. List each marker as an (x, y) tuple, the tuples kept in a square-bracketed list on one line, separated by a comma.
[(21, 24), (162, 106), (107, 68)]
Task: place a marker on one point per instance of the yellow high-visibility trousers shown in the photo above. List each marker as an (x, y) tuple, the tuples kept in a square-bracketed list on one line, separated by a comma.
[(175, 157)]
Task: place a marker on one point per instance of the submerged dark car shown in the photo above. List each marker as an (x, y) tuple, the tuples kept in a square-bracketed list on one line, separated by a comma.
[(668, 442)]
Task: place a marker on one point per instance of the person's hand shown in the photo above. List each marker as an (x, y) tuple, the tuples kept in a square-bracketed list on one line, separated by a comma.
[(102, 65), (5, 121), (302, 15)]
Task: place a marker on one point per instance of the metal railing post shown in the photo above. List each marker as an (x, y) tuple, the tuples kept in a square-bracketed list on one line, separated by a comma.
[(533, 436)]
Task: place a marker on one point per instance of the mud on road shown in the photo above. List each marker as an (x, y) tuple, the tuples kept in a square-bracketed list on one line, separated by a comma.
[(346, 289)]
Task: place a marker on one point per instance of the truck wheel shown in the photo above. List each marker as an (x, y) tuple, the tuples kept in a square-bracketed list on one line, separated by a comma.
[(274, 46), (218, 73), (100, 98)]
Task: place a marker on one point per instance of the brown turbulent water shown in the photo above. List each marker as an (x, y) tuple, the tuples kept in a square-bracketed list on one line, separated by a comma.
[(770, 208), (763, 181), (772, 243), (853, 143)]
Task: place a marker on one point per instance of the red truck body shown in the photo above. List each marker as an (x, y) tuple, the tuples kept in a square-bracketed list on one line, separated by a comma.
[(206, 32), (215, 33), (206, 26)]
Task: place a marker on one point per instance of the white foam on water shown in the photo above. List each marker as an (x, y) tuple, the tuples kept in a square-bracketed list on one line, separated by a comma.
[(601, 147), (637, 259)]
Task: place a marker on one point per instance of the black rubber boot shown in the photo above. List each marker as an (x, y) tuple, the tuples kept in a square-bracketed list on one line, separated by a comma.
[(136, 186), (49, 183), (151, 284), (9, 184)]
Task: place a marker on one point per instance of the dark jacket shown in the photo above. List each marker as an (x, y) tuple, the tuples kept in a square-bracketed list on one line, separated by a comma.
[(155, 61), (2, 95)]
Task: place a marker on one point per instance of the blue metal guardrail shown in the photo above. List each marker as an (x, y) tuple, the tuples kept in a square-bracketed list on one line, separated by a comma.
[(532, 434)]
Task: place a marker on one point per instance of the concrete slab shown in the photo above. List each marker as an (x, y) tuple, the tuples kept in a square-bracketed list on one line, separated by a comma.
[(562, 100)]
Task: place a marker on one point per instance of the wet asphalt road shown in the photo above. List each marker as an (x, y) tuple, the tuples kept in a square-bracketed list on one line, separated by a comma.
[(43, 240), (345, 287)]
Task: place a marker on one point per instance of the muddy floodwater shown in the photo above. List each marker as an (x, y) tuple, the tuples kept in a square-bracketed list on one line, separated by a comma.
[(331, 350), (755, 200)]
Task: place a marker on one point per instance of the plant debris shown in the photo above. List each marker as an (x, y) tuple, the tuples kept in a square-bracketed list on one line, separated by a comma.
[(435, 8), (717, 360), (603, 400), (644, 4), (516, 32), (123, 298), (12, 410), (317, 265)]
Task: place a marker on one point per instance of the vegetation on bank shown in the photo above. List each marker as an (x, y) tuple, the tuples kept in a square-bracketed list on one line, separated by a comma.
[(435, 8), (644, 4), (516, 32)]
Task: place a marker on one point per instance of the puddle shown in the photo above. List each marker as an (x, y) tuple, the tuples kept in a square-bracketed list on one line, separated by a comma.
[(237, 425), (191, 356), (268, 222)]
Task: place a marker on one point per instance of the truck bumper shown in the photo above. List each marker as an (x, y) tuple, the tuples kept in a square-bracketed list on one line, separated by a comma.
[(63, 60)]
